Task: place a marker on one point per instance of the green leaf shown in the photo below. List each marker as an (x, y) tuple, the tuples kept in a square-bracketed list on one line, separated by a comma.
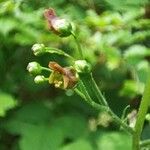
[(136, 53), (131, 88), (68, 123), (6, 102), (143, 70), (114, 141), (7, 25), (41, 137), (81, 144)]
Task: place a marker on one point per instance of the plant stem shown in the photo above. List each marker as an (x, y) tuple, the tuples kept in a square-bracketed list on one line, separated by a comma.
[(78, 45), (46, 69), (58, 51), (121, 122), (88, 99), (141, 116), (97, 91)]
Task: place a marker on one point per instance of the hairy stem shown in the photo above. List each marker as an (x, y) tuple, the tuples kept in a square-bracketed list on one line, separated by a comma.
[(78, 45), (58, 51), (141, 116), (46, 69), (97, 91), (97, 106)]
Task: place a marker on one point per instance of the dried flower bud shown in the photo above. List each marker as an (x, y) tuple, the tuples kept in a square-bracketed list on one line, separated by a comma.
[(39, 79), (38, 49), (62, 77), (34, 68), (82, 66), (59, 26)]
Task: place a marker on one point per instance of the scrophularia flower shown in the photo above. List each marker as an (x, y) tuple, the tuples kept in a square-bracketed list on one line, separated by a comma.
[(59, 26), (62, 77)]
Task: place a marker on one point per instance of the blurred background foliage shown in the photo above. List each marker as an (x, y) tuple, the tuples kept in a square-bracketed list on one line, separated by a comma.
[(115, 37)]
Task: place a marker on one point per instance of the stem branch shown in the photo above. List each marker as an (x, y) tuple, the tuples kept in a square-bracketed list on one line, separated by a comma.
[(106, 108), (78, 45)]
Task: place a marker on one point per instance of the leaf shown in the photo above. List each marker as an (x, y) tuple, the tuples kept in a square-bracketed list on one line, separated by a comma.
[(40, 130), (143, 71), (7, 25), (41, 137), (68, 123), (135, 53), (6, 102), (114, 141), (81, 144), (131, 88)]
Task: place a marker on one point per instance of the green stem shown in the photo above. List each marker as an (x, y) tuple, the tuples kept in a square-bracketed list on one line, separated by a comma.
[(88, 99), (102, 107), (121, 122), (141, 116), (46, 69), (97, 91), (58, 51), (124, 112), (85, 95), (78, 45)]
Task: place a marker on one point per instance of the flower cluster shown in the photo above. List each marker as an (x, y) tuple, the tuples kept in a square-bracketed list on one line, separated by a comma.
[(60, 77)]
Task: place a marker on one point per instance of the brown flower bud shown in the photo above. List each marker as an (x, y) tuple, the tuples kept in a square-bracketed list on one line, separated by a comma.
[(59, 26)]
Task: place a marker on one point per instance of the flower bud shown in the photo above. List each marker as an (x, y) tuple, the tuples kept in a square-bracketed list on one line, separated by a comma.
[(82, 66), (59, 26), (63, 27), (38, 49), (34, 68), (39, 79)]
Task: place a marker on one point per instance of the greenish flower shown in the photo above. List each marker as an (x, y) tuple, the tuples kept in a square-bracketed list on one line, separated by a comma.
[(39, 79), (38, 49), (34, 68), (82, 66)]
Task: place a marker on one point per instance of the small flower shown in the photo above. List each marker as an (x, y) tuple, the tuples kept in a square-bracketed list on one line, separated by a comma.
[(62, 77), (82, 66), (38, 49), (39, 79), (59, 26), (34, 68)]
